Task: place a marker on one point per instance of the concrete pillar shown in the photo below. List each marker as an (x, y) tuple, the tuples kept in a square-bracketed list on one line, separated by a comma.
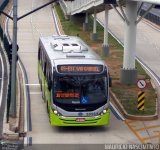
[(85, 24), (78, 18), (105, 46), (94, 34), (128, 74)]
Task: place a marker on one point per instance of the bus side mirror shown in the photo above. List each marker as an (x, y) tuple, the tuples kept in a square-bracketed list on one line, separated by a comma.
[(110, 82), (49, 85)]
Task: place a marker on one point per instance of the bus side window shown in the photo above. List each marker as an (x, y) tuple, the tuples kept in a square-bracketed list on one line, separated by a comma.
[(48, 76), (44, 68), (42, 60)]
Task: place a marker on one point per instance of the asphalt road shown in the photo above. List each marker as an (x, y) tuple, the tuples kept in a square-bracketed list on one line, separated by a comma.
[(29, 31)]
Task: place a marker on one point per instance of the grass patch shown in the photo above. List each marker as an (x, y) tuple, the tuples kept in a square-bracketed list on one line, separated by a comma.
[(126, 94)]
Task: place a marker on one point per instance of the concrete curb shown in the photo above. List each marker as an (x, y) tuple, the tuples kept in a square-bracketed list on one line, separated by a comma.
[(132, 117)]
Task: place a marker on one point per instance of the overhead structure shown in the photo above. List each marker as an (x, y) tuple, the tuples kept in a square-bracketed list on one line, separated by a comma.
[(148, 1), (82, 6), (129, 15)]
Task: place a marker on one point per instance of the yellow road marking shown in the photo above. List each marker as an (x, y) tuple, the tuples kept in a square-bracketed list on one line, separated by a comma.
[(140, 139), (149, 127), (130, 121), (151, 137)]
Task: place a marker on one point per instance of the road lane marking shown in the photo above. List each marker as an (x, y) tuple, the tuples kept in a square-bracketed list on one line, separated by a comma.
[(27, 52), (131, 121), (138, 136), (32, 84), (151, 137), (1, 92), (35, 93), (148, 127)]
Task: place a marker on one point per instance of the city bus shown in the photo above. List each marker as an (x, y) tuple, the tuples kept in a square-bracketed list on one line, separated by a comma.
[(74, 82)]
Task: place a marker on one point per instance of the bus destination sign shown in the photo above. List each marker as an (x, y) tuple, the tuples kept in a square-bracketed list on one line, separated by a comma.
[(80, 68)]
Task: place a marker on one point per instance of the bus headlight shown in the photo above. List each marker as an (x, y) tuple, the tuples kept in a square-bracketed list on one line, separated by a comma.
[(104, 111), (55, 112)]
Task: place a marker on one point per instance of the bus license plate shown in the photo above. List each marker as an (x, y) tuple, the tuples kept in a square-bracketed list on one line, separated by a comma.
[(80, 119)]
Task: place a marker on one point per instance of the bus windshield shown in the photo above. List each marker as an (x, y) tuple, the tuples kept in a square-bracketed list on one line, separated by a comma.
[(80, 90)]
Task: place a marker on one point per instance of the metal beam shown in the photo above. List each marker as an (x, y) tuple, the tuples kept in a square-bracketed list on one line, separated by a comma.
[(139, 9), (124, 15), (148, 1), (6, 15), (145, 13), (117, 12), (14, 62), (36, 9), (12, 111)]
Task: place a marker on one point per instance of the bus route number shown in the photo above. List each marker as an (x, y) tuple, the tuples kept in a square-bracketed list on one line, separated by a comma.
[(80, 68)]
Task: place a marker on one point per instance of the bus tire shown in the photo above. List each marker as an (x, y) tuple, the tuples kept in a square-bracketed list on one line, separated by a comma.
[(47, 109), (48, 113), (43, 95), (41, 85), (40, 82)]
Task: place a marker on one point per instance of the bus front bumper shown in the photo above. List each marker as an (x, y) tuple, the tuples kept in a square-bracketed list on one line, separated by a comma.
[(101, 120)]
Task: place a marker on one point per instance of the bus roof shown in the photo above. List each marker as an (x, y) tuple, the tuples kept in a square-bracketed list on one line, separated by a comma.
[(69, 50)]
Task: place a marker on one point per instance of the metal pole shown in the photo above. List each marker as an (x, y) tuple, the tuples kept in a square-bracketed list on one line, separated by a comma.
[(36, 9), (129, 72), (146, 13), (14, 59), (94, 34), (105, 46), (86, 17), (130, 36), (85, 24), (106, 26), (95, 21)]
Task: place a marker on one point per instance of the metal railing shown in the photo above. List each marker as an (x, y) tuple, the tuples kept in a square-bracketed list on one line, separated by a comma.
[(3, 4), (78, 6), (151, 17)]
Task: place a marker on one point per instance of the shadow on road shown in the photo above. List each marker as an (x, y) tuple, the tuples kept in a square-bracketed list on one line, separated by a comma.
[(81, 129)]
